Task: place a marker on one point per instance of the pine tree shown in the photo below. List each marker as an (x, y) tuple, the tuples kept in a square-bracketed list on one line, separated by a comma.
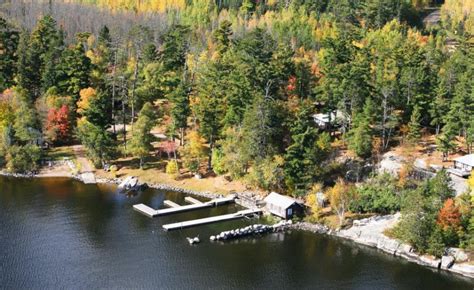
[(140, 144), (44, 50), (179, 110), (222, 37), (174, 48), (9, 38), (304, 156), (360, 136), (52, 58), (76, 67), (28, 67), (414, 127)]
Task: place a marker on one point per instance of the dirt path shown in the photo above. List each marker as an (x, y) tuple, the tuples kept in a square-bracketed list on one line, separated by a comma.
[(87, 171)]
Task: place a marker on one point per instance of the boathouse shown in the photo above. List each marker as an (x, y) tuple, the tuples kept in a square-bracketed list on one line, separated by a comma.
[(463, 165), (283, 206)]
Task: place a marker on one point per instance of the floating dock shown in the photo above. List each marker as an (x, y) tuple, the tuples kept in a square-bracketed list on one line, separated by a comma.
[(214, 219), (148, 211), (192, 200), (170, 203)]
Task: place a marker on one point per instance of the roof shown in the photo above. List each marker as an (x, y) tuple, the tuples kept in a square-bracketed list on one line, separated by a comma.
[(335, 115), (466, 159), (280, 200)]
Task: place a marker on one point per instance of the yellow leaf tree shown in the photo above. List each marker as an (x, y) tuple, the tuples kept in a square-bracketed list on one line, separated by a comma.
[(86, 95), (340, 196)]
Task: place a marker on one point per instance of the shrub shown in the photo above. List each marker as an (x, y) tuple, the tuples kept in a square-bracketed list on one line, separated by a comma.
[(218, 161), (172, 168), (378, 196), (436, 246), (23, 159)]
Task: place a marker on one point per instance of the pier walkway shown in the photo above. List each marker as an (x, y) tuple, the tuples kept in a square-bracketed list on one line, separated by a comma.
[(214, 219), (148, 211)]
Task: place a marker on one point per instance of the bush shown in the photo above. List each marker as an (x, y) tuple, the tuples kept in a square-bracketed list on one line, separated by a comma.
[(23, 159), (379, 195), (172, 168), (436, 246), (218, 161)]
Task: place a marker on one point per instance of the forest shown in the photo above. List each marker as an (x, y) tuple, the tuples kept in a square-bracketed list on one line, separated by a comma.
[(233, 85)]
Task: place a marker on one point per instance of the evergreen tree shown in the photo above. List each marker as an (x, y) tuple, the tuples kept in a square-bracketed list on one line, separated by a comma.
[(175, 45), (28, 67), (76, 67), (97, 142), (52, 58), (44, 49), (304, 156), (9, 38), (222, 37), (99, 111), (360, 136), (179, 110), (414, 127), (140, 144)]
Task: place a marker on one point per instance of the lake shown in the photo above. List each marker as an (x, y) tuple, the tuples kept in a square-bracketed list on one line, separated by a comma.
[(60, 233)]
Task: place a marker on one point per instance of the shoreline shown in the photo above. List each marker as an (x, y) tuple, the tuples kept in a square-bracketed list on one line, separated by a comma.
[(364, 233), (361, 233)]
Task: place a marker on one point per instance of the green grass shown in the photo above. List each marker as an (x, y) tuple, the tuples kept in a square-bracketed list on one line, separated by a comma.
[(60, 153)]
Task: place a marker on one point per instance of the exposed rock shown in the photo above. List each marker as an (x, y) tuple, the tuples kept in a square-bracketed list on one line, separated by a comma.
[(459, 255), (391, 163), (314, 228), (464, 269), (447, 262), (430, 261)]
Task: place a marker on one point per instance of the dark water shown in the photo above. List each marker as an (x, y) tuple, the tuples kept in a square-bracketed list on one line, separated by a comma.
[(59, 233)]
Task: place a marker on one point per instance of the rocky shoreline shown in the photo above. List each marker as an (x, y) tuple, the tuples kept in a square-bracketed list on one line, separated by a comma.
[(367, 231)]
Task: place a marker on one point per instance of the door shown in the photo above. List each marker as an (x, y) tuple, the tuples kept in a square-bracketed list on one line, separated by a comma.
[(289, 212)]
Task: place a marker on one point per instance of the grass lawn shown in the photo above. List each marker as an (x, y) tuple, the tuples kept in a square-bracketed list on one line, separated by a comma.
[(154, 172), (60, 153)]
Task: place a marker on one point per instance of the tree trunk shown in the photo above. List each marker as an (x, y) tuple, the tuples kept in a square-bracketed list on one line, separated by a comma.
[(181, 136), (209, 160), (113, 92), (124, 119), (132, 96)]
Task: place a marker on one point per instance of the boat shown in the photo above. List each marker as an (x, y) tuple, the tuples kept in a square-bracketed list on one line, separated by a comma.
[(193, 241)]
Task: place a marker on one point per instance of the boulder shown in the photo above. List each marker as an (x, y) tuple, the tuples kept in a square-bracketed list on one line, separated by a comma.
[(447, 262)]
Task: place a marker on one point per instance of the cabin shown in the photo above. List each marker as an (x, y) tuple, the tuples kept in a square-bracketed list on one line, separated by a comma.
[(323, 120), (463, 165), (283, 206)]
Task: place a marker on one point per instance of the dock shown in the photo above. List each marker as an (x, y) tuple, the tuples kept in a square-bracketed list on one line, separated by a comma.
[(192, 200), (214, 219), (144, 209), (170, 203), (150, 212)]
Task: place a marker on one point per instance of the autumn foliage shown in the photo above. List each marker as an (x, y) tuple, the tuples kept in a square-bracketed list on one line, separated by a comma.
[(449, 215), (58, 125)]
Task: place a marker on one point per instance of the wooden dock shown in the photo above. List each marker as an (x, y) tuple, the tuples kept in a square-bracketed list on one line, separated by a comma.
[(148, 211), (214, 219), (192, 200), (170, 203), (144, 209)]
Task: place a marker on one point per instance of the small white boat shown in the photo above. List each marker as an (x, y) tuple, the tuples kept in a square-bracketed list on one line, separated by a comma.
[(193, 241)]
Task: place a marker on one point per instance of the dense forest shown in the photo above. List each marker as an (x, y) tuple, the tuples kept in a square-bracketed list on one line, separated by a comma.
[(234, 86)]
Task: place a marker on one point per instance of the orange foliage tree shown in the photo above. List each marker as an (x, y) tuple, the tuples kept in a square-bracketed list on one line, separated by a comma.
[(449, 216), (58, 125)]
